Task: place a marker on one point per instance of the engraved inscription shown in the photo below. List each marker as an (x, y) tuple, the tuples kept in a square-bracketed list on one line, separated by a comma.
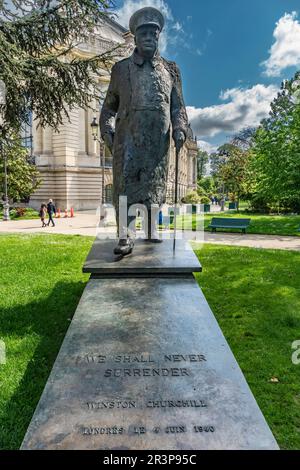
[(172, 372), (132, 404), (145, 359), (204, 429), (185, 358), (175, 429), (121, 359), (114, 430), (109, 405), (141, 430), (140, 359), (142, 365), (176, 404)]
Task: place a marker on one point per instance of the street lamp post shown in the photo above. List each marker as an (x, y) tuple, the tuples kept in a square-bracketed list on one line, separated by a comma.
[(95, 134), (6, 216), (103, 173)]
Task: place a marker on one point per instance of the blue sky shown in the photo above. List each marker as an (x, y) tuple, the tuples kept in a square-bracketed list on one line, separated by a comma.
[(233, 55)]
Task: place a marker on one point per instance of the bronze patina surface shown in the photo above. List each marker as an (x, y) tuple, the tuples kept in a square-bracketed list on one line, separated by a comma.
[(143, 109)]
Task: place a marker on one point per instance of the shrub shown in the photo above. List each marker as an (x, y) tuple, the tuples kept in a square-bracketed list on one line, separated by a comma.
[(232, 197), (201, 191), (205, 200), (20, 211), (192, 198)]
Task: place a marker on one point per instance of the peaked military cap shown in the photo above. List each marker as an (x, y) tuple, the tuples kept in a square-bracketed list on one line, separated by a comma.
[(147, 15)]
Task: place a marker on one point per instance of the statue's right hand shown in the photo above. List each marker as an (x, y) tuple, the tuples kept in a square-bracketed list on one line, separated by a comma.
[(109, 140)]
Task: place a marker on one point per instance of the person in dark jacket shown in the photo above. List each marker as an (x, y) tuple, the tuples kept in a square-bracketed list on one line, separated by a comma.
[(51, 211)]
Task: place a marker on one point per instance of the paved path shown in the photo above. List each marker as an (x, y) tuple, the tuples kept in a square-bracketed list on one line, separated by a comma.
[(86, 223), (82, 224), (254, 241)]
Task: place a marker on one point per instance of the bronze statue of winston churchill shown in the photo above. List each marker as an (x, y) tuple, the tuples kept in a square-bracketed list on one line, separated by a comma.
[(144, 105)]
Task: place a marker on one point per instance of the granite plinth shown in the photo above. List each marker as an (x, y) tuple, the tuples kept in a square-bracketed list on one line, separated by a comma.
[(144, 365), (147, 259)]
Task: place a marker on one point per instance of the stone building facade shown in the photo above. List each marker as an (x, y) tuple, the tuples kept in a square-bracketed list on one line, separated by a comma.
[(76, 171)]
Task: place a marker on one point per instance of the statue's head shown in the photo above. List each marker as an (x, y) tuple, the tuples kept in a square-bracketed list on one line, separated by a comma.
[(146, 25), (146, 40)]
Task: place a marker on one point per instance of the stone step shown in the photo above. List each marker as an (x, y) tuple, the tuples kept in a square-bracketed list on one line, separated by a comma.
[(147, 259)]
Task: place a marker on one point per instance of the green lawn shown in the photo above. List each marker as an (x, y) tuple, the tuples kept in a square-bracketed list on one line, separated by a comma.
[(40, 286), (260, 223), (265, 224), (255, 295)]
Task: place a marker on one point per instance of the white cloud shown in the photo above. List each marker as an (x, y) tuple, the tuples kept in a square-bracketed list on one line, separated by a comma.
[(130, 6), (207, 146), (177, 26), (245, 108), (285, 52)]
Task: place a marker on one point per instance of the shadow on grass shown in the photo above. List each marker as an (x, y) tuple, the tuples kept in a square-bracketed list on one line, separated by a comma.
[(40, 327)]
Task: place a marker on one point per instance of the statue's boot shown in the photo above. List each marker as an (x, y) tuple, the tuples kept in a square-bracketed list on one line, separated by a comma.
[(154, 238), (125, 247)]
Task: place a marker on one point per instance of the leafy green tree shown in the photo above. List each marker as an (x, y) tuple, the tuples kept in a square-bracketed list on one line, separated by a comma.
[(218, 158), (217, 161), (244, 140), (201, 191), (40, 73), (232, 173), (284, 104), (274, 175), (23, 177), (202, 162), (208, 185)]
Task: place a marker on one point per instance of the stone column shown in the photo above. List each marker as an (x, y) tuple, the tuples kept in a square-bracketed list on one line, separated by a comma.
[(47, 140), (190, 170), (195, 170), (37, 136), (82, 132)]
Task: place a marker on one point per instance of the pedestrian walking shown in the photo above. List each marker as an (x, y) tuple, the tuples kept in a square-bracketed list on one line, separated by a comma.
[(51, 211), (43, 214)]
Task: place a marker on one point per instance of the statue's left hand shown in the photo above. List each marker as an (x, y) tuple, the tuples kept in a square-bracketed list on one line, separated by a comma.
[(179, 138)]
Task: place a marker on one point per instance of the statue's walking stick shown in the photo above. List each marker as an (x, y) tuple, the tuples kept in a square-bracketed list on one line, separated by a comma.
[(176, 196)]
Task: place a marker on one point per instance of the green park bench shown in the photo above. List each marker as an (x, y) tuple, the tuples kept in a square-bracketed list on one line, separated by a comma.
[(218, 222)]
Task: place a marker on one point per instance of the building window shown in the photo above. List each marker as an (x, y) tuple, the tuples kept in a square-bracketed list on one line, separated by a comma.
[(194, 171), (26, 136), (109, 193)]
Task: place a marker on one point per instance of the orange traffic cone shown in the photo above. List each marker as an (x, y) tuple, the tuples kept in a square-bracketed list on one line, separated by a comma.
[(66, 214), (72, 211), (58, 215)]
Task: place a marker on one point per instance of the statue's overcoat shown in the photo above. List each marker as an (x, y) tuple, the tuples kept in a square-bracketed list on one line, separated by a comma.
[(146, 99)]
